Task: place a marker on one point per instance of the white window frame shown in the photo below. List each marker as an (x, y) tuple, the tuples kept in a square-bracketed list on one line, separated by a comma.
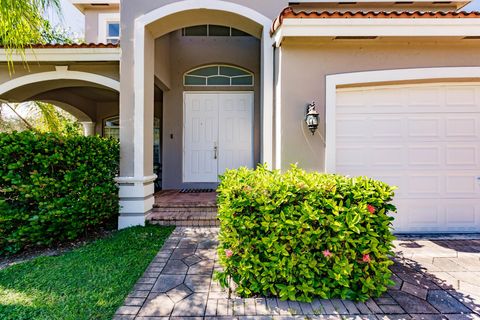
[(103, 20), (248, 73)]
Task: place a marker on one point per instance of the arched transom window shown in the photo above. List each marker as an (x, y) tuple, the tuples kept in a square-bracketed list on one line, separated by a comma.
[(218, 75)]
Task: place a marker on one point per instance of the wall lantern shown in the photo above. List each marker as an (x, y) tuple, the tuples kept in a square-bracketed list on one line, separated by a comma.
[(312, 118)]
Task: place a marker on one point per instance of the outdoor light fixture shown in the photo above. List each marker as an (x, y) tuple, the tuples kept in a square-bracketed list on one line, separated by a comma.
[(312, 118)]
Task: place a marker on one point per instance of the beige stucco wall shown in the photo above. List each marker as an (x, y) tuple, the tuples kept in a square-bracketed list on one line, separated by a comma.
[(162, 62), (92, 24), (187, 53), (306, 62), (104, 110)]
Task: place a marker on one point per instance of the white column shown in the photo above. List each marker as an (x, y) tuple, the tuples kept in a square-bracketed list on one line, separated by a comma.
[(267, 89), (88, 128), (137, 191)]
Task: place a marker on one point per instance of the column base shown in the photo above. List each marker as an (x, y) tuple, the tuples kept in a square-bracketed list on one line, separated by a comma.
[(136, 200), (125, 221)]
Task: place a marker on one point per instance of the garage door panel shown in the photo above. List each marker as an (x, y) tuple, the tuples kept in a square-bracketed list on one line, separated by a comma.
[(386, 127), (391, 156), (423, 97), (434, 215), (351, 156), (462, 96), (352, 127), (422, 185), (462, 155), (461, 214), (350, 101), (461, 185), (423, 139), (385, 98), (425, 127), (463, 126), (421, 156)]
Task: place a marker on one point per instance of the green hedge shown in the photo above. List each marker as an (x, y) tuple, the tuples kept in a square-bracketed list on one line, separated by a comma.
[(54, 188), (302, 235)]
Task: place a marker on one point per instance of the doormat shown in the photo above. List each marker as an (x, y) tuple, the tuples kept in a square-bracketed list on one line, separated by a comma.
[(197, 190)]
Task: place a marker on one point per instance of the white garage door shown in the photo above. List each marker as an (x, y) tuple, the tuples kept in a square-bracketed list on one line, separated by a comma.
[(425, 139)]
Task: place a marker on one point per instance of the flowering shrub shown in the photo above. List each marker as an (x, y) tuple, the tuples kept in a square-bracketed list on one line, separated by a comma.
[(54, 188), (302, 235)]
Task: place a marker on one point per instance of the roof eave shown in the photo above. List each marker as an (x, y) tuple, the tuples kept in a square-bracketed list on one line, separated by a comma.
[(63, 55), (341, 27)]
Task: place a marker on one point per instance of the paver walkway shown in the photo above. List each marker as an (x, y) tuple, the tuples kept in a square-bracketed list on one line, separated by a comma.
[(435, 279)]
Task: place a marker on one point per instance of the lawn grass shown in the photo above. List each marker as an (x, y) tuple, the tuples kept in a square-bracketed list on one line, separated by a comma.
[(87, 283)]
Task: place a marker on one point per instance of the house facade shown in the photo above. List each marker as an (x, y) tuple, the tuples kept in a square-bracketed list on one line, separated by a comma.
[(194, 87)]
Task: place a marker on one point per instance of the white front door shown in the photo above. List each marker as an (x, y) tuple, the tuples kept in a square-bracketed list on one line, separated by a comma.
[(218, 134), (423, 139)]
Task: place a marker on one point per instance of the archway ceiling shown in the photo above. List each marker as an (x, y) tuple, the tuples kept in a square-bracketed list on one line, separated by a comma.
[(91, 91), (195, 17)]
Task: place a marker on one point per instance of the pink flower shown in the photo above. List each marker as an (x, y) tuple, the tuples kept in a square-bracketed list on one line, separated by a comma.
[(371, 209), (366, 258), (326, 253), (228, 253)]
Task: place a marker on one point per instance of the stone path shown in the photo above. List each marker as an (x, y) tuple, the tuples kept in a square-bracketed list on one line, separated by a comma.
[(437, 279)]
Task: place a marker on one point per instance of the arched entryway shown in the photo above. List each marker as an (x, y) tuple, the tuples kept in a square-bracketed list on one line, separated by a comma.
[(161, 60), (89, 97)]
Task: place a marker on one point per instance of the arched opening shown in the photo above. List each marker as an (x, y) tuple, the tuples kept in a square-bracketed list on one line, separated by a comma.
[(222, 49), (87, 97), (164, 49)]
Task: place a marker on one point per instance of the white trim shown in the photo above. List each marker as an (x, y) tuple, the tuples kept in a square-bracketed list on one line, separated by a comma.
[(186, 5), (370, 77), (278, 113), (103, 20), (407, 85), (267, 81), (128, 180), (333, 27), (60, 74), (63, 54), (125, 221)]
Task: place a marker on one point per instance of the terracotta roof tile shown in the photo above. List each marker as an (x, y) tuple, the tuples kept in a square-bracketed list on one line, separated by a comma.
[(289, 13), (73, 46)]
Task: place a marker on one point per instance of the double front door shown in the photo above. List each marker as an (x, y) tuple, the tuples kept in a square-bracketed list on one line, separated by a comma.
[(218, 134)]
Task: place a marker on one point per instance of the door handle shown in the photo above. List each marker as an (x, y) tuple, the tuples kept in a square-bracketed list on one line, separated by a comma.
[(215, 151)]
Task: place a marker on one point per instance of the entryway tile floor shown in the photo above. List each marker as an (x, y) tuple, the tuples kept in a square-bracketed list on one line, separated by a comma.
[(434, 279)]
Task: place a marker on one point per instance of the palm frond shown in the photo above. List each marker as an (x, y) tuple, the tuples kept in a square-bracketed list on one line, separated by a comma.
[(50, 118), (22, 23)]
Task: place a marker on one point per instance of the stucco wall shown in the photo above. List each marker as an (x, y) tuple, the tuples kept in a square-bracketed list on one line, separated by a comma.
[(305, 64), (187, 53), (104, 110), (162, 61), (92, 26)]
